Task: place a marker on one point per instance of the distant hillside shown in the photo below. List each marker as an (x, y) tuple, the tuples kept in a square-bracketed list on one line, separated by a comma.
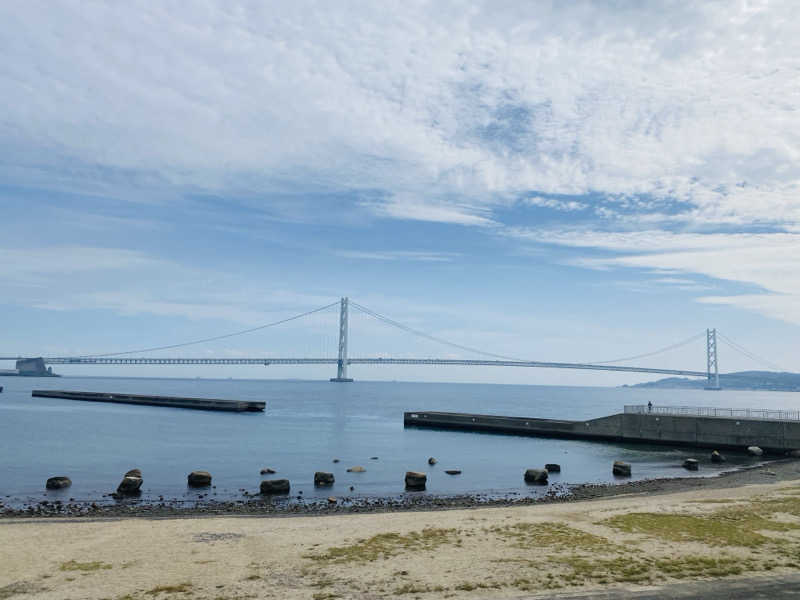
[(743, 380)]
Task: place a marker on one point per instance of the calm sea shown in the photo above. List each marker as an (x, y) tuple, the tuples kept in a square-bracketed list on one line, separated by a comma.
[(309, 423)]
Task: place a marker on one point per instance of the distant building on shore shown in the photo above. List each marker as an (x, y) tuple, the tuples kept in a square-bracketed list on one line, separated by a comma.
[(29, 367)]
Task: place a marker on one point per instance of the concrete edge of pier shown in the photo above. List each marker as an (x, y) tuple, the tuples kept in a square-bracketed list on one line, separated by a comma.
[(772, 436), (170, 401)]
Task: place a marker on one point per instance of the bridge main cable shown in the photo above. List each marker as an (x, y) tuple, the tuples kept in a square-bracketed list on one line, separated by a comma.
[(210, 339)]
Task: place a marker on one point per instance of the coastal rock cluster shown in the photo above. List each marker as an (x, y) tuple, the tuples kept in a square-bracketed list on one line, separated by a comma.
[(130, 487)]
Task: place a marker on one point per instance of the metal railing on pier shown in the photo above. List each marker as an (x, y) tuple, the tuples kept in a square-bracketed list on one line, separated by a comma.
[(763, 414)]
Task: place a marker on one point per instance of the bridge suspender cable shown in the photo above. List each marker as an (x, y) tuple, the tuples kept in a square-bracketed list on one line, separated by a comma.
[(433, 338), (215, 338), (394, 323), (729, 342), (665, 349)]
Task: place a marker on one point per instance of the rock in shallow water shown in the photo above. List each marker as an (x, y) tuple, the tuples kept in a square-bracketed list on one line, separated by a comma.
[(453, 471), (130, 484), (416, 480), (58, 482), (536, 476), (323, 478), (267, 471), (275, 486), (199, 478), (621, 469), (754, 451), (691, 464), (716, 457), (553, 468), (356, 469)]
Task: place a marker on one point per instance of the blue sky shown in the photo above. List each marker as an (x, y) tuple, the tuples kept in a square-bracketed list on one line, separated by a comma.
[(570, 182)]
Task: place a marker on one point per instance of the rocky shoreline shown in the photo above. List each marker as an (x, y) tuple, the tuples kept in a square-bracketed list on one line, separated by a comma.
[(786, 469)]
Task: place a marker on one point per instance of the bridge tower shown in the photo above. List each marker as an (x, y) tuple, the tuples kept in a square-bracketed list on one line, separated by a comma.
[(341, 366), (711, 356)]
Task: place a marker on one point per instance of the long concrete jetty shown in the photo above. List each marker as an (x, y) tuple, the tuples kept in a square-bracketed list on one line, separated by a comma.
[(772, 431), (175, 402)]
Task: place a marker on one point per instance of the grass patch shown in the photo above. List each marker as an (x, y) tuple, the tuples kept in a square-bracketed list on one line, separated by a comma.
[(556, 536), (713, 501), (181, 588), (410, 588), (84, 566), (469, 586), (734, 527), (325, 596), (386, 545), (18, 588), (640, 571)]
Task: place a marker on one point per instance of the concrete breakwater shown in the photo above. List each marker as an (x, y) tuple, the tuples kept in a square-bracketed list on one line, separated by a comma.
[(172, 401), (637, 424)]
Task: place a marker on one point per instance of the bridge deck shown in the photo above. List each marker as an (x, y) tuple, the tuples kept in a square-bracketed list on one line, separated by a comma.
[(267, 361)]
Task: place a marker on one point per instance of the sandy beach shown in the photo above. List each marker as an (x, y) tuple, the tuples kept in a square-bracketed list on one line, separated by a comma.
[(721, 529)]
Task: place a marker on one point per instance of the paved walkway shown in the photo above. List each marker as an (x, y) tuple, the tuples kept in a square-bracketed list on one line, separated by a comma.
[(779, 587)]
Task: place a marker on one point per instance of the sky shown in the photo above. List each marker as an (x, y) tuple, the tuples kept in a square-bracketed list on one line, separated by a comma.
[(577, 182)]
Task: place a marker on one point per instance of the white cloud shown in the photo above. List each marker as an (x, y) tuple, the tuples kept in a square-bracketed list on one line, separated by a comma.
[(553, 203), (37, 262), (766, 261), (439, 212), (391, 255), (129, 282), (431, 101)]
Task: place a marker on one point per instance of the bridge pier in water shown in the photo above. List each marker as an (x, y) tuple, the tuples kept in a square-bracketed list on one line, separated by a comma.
[(341, 365)]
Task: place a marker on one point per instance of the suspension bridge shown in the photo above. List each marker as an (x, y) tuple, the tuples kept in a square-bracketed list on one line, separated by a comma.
[(343, 359)]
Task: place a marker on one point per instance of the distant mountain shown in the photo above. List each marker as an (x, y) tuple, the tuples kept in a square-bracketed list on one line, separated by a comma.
[(743, 380)]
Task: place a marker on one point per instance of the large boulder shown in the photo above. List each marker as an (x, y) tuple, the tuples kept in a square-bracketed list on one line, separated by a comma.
[(131, 483), (691, 464), (323, 478), (754, 451), (58, 482), (621, 469), (415, 480), (553, 468), (538, 476), (716, 457), (199, 479), (356, 469), (275, 486)]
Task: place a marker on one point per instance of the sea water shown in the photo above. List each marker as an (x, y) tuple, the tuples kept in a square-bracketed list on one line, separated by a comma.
[(308, 424)]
